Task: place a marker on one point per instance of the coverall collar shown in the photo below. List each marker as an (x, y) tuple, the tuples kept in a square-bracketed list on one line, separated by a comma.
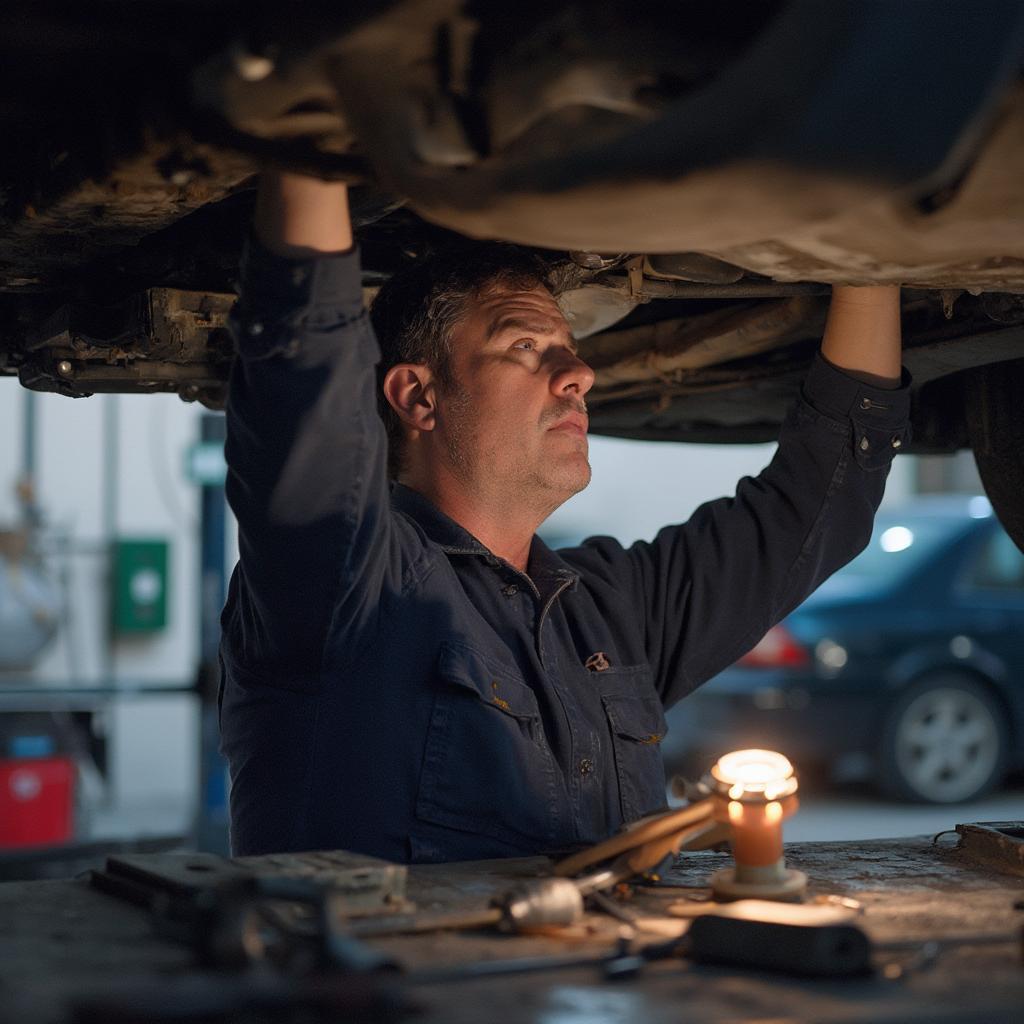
[(544, 564)]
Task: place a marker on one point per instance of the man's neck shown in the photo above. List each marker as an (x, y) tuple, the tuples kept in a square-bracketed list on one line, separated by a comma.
[(497, 531), (503, 529)]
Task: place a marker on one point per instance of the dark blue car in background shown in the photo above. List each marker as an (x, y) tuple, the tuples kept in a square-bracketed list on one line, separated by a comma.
[(905, 668)]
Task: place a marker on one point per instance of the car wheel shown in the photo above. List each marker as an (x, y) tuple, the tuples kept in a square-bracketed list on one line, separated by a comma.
[(945, 741)]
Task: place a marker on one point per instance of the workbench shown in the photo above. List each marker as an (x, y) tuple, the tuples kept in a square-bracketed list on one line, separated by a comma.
[(62, 939)]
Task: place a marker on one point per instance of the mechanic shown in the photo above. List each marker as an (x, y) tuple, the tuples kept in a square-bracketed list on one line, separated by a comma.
[(408, 670)]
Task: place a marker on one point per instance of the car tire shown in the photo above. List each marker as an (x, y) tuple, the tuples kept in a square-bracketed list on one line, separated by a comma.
[(995, 426), (945, 741)]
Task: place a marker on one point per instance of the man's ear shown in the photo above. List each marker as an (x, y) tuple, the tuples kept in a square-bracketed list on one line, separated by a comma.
[(409, 389)]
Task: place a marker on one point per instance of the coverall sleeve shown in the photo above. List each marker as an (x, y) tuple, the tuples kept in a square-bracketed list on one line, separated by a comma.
[(712, 587), (307, 463)]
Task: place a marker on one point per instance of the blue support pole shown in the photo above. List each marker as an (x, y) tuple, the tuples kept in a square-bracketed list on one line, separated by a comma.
[(212, 824), (29, 460)]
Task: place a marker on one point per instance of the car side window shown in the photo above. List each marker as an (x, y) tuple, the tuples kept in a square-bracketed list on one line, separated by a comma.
[(998, 566)]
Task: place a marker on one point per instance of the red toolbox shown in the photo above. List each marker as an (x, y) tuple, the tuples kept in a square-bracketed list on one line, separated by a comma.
[(36, 801)]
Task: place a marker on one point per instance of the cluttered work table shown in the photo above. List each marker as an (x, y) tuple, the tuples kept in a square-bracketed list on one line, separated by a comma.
[(942, 919)]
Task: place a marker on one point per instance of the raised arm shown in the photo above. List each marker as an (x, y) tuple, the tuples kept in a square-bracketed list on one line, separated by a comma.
[(712, 586), (306, 449), (301, 218), (862, 334)]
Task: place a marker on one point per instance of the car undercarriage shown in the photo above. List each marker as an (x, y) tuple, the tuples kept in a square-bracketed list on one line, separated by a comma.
[(697, 175)]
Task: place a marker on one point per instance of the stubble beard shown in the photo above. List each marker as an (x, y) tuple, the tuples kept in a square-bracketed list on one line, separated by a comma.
[(543, 488), (460, 432)]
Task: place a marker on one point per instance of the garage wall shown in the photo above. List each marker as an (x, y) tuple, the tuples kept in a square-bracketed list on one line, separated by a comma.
[(88, 494), (152, 737)]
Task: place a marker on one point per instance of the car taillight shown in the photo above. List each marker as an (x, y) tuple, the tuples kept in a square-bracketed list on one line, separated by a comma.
[(776, 649)]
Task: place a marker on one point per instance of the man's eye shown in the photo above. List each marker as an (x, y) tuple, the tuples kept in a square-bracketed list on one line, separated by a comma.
[(526, 344)]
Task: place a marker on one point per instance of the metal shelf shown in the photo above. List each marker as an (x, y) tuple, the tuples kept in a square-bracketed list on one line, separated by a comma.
[(80, 698)]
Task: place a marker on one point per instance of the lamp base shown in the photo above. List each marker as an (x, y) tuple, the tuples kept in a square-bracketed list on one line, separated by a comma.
[(786, 886)]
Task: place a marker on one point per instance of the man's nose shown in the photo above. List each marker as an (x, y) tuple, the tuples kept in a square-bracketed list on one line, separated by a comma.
[(572, 376)]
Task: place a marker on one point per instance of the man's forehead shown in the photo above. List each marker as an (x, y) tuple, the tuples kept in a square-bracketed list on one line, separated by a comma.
[(529, 305)]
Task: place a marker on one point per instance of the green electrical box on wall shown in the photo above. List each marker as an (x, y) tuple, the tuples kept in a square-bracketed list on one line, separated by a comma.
[(140, 585)]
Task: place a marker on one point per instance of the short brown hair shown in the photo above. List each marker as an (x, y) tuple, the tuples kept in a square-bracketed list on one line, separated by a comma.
[(417, 309)]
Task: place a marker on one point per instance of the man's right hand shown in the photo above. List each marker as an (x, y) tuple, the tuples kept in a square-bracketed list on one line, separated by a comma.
[(302, 217)]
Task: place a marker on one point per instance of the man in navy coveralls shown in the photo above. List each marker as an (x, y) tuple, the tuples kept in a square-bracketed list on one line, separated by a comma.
[(408, 670)]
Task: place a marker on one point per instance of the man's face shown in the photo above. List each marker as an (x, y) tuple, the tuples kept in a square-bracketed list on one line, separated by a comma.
[(516, 418)]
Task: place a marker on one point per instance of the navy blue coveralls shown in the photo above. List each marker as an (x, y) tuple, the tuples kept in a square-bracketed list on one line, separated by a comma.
[(392, 687)]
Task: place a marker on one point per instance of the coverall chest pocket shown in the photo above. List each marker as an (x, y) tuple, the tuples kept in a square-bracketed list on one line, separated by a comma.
[(487, 767), (636, 721)]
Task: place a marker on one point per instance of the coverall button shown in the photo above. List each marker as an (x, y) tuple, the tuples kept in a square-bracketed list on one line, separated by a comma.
[(865, 403), (864, 444), (897, 442), (510, 591), (586, 766)]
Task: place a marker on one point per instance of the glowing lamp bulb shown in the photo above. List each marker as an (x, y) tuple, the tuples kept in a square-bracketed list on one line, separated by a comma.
[(754, 791), (753, 771)]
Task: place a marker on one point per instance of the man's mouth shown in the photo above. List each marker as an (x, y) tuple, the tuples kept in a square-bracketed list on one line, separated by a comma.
[(575, 423)]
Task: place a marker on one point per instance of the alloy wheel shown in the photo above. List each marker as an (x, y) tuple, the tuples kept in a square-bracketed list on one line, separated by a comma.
[(947, 744)]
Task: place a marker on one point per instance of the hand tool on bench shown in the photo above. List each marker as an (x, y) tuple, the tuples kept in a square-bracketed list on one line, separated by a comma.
[(800, 941)]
